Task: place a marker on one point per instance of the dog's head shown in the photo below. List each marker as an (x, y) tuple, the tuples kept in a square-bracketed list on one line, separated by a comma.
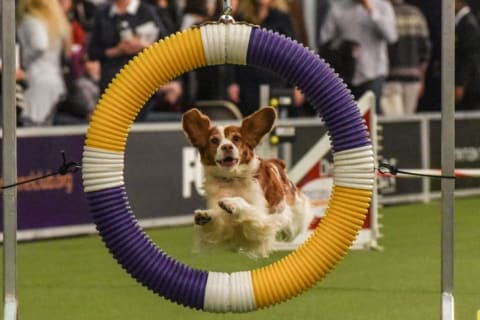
[(230, 147)]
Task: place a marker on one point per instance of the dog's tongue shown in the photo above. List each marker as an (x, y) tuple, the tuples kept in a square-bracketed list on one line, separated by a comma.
[(228, 162)]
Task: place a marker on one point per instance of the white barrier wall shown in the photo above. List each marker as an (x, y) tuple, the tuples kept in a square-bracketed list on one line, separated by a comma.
[(414, 142)]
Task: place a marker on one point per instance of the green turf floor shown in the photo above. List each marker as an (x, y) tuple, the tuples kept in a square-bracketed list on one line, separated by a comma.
[(75, 279)]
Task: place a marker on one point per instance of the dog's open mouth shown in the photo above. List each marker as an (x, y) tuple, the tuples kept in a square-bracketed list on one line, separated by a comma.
[(228, 162)]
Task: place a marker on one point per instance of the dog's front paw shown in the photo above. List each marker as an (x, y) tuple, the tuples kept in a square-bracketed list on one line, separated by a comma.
[(284, 235), (229, 205), (202, 217)]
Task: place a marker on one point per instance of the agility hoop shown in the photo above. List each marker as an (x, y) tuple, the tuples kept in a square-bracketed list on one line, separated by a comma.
[(103, 166)]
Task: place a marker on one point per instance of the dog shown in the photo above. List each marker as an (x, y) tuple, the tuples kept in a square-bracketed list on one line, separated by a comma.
[(250, 201)]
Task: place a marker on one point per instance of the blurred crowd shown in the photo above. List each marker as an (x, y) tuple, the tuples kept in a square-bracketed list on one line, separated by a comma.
[(70, 50)]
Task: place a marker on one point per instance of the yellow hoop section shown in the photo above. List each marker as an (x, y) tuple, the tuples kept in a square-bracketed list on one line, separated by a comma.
[(136, 82)]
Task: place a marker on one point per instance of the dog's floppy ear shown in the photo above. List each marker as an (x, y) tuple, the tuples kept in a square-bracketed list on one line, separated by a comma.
[(196, 126), (257, 125)]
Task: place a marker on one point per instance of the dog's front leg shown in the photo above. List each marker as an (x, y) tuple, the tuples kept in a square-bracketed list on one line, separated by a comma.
[(211, 228), (258, 227), (253, 219), (235, 205)]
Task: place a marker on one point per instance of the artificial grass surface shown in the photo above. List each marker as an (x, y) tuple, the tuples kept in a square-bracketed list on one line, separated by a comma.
[(78, 279)]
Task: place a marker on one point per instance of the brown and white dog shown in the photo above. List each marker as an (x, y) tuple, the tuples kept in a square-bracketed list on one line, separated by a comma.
[(251, 203)]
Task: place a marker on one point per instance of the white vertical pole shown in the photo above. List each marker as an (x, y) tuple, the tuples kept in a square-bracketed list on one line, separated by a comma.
[(426, 161), (448, 159), (9, 148)]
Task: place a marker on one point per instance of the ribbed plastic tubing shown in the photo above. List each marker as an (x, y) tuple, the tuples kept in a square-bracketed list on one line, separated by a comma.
[(103, 168)]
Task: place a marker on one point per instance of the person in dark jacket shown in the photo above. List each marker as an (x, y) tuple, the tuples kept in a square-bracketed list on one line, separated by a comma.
[(408, 58), (122, 29), (371, 25), (272, 15), (467, 58)]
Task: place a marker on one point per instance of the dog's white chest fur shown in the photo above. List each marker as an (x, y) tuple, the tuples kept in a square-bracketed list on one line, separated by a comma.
[(242, 183), (246, 188)]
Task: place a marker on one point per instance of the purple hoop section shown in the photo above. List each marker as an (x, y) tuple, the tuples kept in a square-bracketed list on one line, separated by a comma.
[(110, 208), (139, 256), (328, 95)]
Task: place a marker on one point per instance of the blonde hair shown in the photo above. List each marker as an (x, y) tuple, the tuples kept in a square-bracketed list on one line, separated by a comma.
[(249, 9), (51, 13)]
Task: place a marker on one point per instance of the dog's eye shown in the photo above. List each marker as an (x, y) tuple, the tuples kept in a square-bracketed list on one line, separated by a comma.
[(215, 140), (235, 138)]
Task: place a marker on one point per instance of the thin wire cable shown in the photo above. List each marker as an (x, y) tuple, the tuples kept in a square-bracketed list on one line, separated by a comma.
[(386, 168), (65, 167)]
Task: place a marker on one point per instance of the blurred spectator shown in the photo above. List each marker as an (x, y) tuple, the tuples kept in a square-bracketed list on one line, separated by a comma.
[(323, 6), (342, 55), (82, 97), (168, 103), (408, 58), (197, 12), (122, 29), (81, 76), (269, 14), (44, 34), (207, 83), (475, 7), (84, 12), (467, 58), (295, 9), (74, 65), (78, 33), (371, 25), (168, 13)]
